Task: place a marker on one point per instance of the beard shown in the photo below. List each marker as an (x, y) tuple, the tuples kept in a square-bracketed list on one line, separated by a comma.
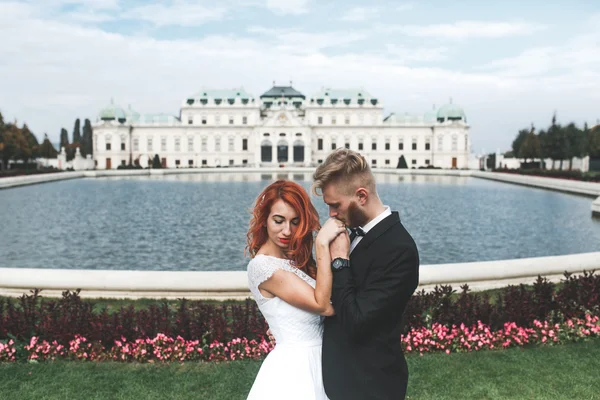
[(356, 216)]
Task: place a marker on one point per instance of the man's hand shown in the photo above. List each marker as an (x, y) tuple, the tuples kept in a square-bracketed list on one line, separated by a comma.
[(340, 246)]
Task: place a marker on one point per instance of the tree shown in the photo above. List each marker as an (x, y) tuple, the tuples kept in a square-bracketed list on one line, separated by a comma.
[(576, 144), (64, 138), (557, 142), (87, 145), (76, 133), (32, 142), (516, 144), (530, 148), (47, 150), (402, 163), (156, 162), (594, 142)]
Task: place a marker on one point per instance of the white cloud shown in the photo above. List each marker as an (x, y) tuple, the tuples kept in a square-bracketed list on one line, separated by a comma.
[(405, 7), (283, 7), (418, 54), (179, 13), (293, 41), (55, 71), (360, 14), (470, 29)]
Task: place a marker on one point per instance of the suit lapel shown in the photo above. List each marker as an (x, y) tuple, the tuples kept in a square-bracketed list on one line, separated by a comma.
[(359, 259)]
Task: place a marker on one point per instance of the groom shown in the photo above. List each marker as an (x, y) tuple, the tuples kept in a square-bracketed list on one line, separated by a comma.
[(376, 270)]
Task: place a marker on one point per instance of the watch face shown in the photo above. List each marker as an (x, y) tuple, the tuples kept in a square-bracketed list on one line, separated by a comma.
[(337, 263)]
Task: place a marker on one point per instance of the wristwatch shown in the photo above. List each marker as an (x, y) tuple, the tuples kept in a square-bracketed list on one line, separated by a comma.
[(340, 263)]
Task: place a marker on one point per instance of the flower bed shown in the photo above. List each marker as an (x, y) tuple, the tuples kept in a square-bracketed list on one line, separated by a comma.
[(35, 328), (437, 338)]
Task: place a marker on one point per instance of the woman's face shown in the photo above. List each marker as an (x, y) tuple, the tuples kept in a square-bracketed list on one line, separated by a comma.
[(282, 224)]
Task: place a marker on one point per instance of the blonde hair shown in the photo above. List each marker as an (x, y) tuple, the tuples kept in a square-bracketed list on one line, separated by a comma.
[(345, 167)]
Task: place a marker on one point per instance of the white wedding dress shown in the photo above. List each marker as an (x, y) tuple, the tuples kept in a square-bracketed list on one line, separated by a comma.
[(292, 370)]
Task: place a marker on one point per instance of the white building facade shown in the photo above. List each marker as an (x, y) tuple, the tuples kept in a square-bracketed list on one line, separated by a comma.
[(231, 128)]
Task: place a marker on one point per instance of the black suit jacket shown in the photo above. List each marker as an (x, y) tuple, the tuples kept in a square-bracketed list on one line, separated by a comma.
[(362, 357)]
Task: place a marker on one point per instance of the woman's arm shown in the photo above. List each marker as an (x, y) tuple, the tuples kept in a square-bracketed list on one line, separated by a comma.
[(293, 290)]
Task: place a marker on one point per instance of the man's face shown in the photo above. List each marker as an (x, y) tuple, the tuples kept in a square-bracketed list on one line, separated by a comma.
[(342, 206)]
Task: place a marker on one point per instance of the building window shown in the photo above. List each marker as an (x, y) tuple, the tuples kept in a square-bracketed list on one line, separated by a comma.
[(347, 145), (244, 144), (374, 163), (190, 120), (319, 144), (360, 146), (347, 120), (177, 144), (204, 162), (333, 120), (333, 145), (204, 143), (230, 120), (400, 145), (426, 162), (414, 162), (136, 144), (123, 162), (217, 144), (319, 161), (190, 163), (427, 146), (414, 145), (177, 163), (95, 163), (387, 162), (149, 144), (374, 146), (190, 144), (203, 120), (122, 146), (320, 120), (245, 120), (244, 162), (108, 146), (387, 146), (230, 162), (231, 144), (454, 143), (163, 144), (440, 143)]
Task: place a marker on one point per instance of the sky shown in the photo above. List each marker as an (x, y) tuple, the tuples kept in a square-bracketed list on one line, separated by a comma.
[(508, 64)]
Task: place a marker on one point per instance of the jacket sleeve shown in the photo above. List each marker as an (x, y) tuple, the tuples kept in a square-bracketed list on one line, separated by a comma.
[(390, 282)]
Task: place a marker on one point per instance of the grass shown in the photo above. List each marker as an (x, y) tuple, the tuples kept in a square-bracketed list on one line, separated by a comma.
[(559, 372)]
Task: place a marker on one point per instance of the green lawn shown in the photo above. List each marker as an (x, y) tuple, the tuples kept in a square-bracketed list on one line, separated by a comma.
[(561, 372)]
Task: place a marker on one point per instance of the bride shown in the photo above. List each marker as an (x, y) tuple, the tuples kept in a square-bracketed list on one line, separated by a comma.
[(291, 289)]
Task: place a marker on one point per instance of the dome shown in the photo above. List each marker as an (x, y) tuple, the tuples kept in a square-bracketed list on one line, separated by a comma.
[(112, 112), (430, 116), (451, 112), (132, 115)]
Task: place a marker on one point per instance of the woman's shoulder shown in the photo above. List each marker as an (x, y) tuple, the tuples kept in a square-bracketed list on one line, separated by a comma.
[(267, 261)]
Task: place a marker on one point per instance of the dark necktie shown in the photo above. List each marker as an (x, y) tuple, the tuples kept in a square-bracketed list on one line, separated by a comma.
[(354, 232)]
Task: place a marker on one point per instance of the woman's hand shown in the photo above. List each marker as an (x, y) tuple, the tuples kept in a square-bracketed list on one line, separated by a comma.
[(329, 231)]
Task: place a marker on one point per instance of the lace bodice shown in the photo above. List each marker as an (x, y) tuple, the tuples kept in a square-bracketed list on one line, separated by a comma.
[(288, 324)]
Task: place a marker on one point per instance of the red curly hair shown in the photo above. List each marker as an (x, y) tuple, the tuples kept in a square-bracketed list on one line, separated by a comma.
[(301, 243)]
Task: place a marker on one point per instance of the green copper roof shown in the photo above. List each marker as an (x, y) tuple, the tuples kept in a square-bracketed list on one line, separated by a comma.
[(112, 111), (222, 94), (340, 94), (451, 112), (282, 91), (157, 119)]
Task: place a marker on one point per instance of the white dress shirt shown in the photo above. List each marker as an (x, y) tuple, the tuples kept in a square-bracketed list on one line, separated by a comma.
[(387, 212)]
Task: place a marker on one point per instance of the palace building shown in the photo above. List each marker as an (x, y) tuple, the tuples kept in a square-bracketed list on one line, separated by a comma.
[(283, 127)]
